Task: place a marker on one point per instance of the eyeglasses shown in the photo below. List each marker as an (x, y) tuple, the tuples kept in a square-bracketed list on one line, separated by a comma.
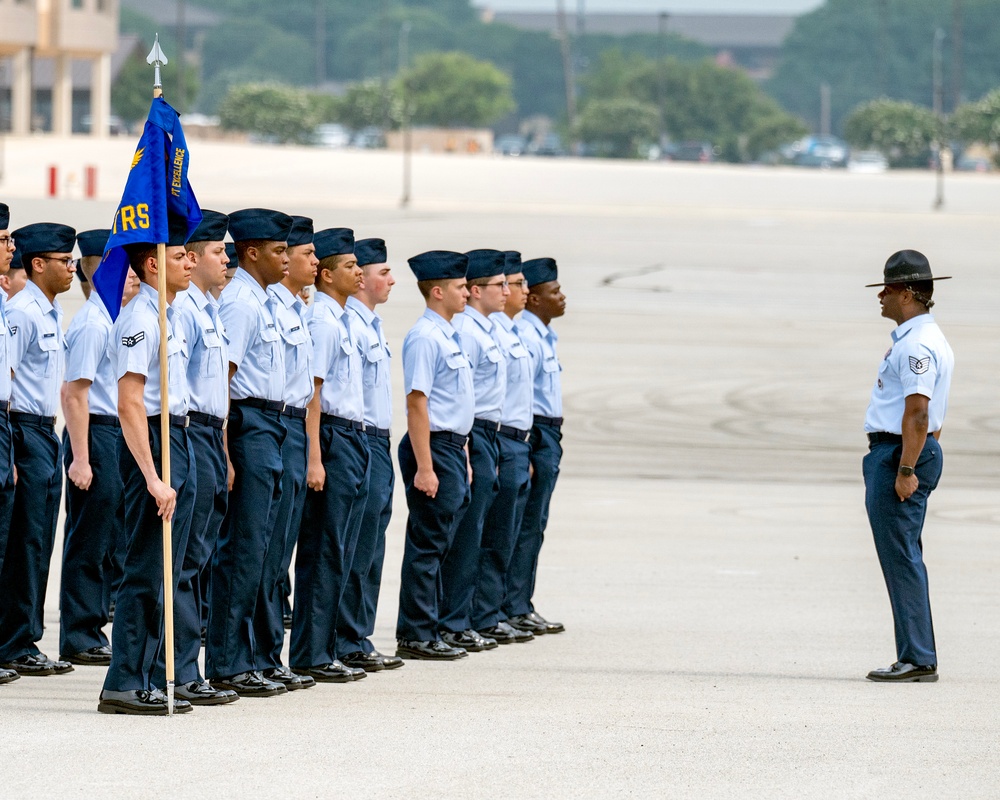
[(69, 263), (519, 284), (7, 241), (500, 283)]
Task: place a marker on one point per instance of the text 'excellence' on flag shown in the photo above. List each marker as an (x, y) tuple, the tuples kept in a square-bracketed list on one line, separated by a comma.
[(157, 188)]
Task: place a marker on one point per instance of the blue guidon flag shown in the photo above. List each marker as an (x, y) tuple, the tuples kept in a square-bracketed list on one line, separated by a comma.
[(157, 187)]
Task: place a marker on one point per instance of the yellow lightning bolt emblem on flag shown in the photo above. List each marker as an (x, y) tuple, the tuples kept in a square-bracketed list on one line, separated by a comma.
[(137, 157)]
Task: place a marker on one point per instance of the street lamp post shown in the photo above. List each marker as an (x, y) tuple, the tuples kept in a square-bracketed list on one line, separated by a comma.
[(939, 37), (404, 46)]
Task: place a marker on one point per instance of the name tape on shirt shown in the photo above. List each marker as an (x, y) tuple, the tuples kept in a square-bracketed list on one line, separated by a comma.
[(132, 341), (919, 366)]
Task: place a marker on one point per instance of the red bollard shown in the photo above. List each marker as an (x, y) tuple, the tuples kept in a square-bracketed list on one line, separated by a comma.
[(53, 181), (90, 182)]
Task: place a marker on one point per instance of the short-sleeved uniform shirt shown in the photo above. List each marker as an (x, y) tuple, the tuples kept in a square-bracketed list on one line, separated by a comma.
[(88, 356), (920, 361), (517, 411), (336, 359), (376, 359), (135, 346), (5, 385), (255, 347), (294, 331), (208, 351), (541, 340), (435, 365), (489, 376), (37, 351)]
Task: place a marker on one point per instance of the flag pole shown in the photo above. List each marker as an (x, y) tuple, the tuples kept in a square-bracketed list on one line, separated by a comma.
[(157, 59)]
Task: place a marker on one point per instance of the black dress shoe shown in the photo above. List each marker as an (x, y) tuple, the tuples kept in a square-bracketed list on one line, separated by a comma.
[(550, 627), (334, 672), (501, 633), (468, 640), (368, 662), (32, 664), (144, 702), (429, 651), (389, 662), (249, 684), (524, 622), (901, 672), (289, 679), (93, 656), (202, 693), (8, 676)]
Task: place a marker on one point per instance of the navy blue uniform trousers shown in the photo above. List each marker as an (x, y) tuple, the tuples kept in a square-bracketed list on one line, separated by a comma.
[(210, 503), (897, 528), (328, 538), (137, 637), (546, 453), (461, 562), (95, 520), (6, 483), (430, 529), (501, 527), (255, 439), (356, 621), (32, 536), (269, 625)]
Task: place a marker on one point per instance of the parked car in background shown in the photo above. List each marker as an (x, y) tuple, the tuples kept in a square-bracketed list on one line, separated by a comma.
[(369, 139), (510, 145), (819, 151), (867, 161), (696, 152), (973, 164), (331, 135), (548, 145)]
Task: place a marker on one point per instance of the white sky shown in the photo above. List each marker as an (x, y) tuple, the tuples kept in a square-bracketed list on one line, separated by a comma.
[(675, 6)]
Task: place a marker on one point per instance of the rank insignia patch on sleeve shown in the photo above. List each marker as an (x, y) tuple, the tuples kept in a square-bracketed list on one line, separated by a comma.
[(919, 365), (13, 330), (132, 341)]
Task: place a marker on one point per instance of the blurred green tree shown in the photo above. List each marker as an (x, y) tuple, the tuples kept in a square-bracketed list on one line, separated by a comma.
[(455, 89)]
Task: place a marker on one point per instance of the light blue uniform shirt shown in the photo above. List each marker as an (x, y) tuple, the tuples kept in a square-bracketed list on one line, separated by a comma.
[(377, 361), (517, 406), (135, 347), (294, 330), (255, 347), (88, 356), (920, 361), (37, 351), (435, 365), (208, 360), (336, 360), (540, 341), (5, 385), (489, 375)]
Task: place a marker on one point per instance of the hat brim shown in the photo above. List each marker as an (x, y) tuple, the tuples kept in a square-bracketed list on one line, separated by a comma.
[(890, 283)]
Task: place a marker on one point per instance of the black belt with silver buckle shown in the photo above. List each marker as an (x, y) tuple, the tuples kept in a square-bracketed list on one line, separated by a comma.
[(177, 420), (295, 411), (263, 405), (514, 433), (32, 419), (451, 438), (342, 422), (486, 425), (381, 433), (105, 419), (207, 419), (880, 437), (552, 422)]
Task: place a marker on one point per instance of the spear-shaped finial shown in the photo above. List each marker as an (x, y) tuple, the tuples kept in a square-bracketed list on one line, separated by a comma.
[(157, 59)]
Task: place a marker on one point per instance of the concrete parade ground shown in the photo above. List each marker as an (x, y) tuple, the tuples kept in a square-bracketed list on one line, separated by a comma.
[(708, 548)]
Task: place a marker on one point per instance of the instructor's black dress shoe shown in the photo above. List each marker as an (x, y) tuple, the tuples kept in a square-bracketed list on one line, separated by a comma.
[(368, 662), (389, 662), (334, 672), (468, 640), (249, 684), (93, 656), (202, 693), (8, 676), (291, 681), (901, 672), (429, 651), (151, 702)]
